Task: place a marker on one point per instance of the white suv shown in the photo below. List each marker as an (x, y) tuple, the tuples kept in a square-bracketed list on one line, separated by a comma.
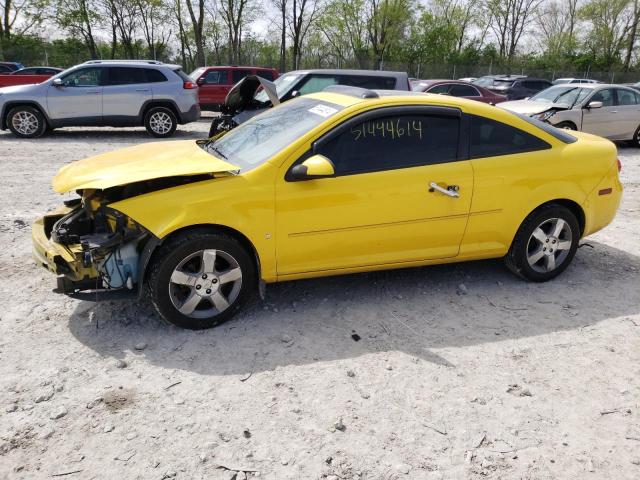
[(103, 93)]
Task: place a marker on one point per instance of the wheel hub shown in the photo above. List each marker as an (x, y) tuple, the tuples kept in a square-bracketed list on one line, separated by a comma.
[(207, 285)]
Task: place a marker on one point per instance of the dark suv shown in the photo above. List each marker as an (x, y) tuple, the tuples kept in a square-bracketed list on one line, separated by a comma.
[(243, 102), (514, 87)]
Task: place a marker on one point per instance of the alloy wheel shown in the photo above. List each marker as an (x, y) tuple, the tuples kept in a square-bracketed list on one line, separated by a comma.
[(161, 123), (205, 283), (549, 245), (25, 123)]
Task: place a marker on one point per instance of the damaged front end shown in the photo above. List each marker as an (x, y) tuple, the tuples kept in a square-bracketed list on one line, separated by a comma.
[(90, 246)]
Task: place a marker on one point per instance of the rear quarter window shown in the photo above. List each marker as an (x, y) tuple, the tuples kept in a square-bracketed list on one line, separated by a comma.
[(154, 76), (490, 138)]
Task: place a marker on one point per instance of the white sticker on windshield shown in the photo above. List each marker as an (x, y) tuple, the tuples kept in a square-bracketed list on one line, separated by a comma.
[(323, 110)]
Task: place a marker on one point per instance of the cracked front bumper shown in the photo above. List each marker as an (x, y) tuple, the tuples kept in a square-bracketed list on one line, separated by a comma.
[(58, 259)]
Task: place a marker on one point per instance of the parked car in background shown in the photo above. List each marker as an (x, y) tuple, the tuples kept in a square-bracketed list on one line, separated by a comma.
[(244, 100), (611, 111), (635, 86), (330, 183), (103, 93), (38, 71), (457, 88), (559, 81), (215, 82), (8, 67), (514, 87)]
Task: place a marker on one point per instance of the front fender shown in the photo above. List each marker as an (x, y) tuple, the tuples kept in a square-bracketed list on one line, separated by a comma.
[(242, 203)]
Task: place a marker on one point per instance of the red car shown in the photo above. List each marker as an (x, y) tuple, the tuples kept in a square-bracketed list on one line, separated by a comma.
[(215, 82), (457, 88)]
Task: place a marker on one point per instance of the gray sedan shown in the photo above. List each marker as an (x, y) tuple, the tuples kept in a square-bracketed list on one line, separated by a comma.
[(611, 111)]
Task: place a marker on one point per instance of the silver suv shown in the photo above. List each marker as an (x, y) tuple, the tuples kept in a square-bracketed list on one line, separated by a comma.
[(103, 93)]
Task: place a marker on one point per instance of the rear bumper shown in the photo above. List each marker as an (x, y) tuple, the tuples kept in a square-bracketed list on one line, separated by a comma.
[(193, 115), (603, 202)]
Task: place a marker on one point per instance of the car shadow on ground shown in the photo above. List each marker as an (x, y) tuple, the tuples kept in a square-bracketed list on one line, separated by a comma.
[(414, 311)]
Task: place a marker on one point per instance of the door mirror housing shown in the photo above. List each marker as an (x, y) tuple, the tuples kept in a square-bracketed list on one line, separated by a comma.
[(200, 81), (316, 166), (295, 94), (57, 82), (594, 105)]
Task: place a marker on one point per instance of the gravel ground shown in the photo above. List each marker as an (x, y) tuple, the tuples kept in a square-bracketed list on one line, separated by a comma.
[(497, 379)]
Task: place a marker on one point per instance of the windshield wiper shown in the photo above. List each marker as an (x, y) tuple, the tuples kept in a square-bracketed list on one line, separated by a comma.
[(217, 150)]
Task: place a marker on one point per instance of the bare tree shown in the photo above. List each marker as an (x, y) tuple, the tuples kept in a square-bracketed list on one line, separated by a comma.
[(79, 17), (633, 33), (556, 22), (235, 18), (197, 24), (302, 15), (508, 20), (281, 5)]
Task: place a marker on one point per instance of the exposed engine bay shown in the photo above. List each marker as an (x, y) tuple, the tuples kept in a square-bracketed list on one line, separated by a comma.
[(106, 244)]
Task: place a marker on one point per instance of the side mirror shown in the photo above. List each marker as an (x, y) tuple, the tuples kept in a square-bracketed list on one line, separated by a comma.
[(594, 105), (295, 94), (317, 166), (200, 81), (57, 82)]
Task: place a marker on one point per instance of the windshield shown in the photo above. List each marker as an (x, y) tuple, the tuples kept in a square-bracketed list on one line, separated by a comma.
[(258, 139), (196, 73), (283, 85), (565, 95), (484, 81)]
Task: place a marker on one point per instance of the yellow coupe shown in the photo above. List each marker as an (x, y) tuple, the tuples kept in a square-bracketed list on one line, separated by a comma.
[(342, 181)]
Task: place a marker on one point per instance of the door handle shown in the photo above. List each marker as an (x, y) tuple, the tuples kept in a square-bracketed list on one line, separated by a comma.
[(142, 89), (93, 92), (613, 111), (450, 191)]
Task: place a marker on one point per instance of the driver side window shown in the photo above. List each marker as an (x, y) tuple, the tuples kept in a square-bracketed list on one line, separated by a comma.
[(604, 96), (85, 77), (393, 141)]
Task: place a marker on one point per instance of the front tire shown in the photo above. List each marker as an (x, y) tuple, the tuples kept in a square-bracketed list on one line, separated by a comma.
[(545, 244), (26, 122), (199, 280), (635, 142), (160, 122), (566, 126)]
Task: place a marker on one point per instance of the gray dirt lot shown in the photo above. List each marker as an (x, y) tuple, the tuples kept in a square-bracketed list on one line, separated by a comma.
[(511, 380)]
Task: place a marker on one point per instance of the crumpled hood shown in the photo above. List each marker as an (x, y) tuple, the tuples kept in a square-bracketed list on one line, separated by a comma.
[(135, 164), (529, 107)]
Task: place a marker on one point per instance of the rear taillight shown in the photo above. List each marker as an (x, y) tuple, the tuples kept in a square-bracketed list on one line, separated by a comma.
[(189, 85), (619, 165)]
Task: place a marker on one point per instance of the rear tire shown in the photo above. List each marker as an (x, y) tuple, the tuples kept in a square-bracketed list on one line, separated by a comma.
[(160, 122), (545, 244), (199, 280), (26, 122)]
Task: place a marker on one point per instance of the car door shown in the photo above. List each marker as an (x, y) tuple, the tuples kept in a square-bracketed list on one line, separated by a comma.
[(214, 86), (399, 194), (125, 93), (78, 100), (601, 121), (628, 114)]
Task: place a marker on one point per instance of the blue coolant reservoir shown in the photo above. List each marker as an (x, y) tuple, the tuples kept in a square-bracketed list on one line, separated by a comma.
[(121, 267)]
